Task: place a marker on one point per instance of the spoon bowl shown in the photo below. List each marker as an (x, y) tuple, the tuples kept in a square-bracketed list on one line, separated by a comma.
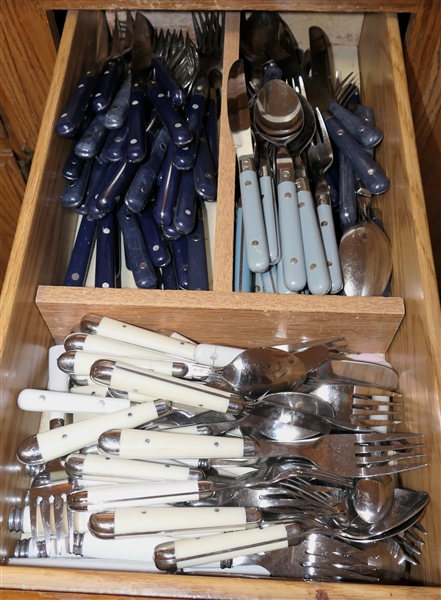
[(373, 498), (278, 107), (366, 256), (257, 371)]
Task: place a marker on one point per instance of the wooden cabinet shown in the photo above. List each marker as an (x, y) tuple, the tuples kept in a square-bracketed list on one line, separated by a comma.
[(36, 310), (28, 54)]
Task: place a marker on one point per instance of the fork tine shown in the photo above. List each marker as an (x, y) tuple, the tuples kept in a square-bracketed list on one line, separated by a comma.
[(368, 438), (45, 512), (388, 469)]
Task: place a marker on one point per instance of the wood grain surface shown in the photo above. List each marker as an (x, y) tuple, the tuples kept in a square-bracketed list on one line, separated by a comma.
[(199, 588), (40, 258), (422, 54), (300, 5), (28, 57), (415, 351), (12, 187)]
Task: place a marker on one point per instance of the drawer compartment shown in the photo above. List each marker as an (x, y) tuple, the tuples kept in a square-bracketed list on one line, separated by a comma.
[(37, 311)]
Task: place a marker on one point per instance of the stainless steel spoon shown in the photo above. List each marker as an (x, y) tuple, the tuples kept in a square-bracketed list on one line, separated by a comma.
[(373, 498), (366, 256)]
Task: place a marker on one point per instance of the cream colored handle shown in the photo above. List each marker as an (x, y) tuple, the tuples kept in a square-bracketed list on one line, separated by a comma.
[(102, 345), (123, 332), (114, 468), (138, 548), (161, 444), (130, 379), (70, 438), (159, 364), (141, 494), (167, 520), (192, 552), (90, 390), (45, 400)]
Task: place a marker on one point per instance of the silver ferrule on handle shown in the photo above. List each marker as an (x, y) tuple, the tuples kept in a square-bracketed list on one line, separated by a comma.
[(322, 194), (75, 341), (90, 323), (247, 164)]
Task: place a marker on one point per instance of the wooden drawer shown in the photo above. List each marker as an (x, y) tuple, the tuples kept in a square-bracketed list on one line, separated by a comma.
[(36, 311)]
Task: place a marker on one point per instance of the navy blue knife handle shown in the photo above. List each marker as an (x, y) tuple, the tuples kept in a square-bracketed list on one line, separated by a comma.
[(105, 89), (79, 260), (197, 257), (139, 260), (97, 175), (367, 135), (137, 140), (180, 133), (168, 190), (75, 191), (142, 184), (117, 147), (211, 128), (154, 239), (169, 83), (171, 233), (73, 167), (169, 278), (180, 259), (117, 180), (204, 174), (105, 267), (272, 71), (366, 113), (185, 210), (185, 157), (92, 140), (71, 118), (348, 214), (364, 166), (117, 113)]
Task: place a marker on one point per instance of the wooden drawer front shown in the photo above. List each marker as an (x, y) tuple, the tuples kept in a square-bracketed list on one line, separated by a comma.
[(368, 324)]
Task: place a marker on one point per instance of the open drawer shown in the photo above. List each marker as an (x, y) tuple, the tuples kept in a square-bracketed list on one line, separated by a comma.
[(37, 311)]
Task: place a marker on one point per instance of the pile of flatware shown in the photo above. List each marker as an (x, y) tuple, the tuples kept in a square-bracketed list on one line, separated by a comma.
[(144, 161), (301, 131), (166, 452)]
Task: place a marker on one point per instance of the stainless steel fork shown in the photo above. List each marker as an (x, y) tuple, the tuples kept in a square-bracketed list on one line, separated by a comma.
[(350, 455), (363, 405), (209, 27)]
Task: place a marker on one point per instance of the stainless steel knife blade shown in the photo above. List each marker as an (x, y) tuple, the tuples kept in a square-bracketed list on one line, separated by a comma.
[(240, 125), (322, 63), (238, 111), (141, 73)]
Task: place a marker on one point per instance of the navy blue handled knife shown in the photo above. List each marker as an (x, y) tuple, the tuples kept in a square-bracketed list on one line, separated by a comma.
[(154, 239), (197, 256), (75, 191), (79, 260), (185, 157), (135, 247), (142, 184), (105, 266), (71, 118)]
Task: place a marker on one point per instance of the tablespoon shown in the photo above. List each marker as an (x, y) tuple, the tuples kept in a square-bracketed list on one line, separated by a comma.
[(406, 504), (373, 498), (278, 423), (366, 255)]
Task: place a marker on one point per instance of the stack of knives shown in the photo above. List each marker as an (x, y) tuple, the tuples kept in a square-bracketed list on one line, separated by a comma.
[(134, 172)]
